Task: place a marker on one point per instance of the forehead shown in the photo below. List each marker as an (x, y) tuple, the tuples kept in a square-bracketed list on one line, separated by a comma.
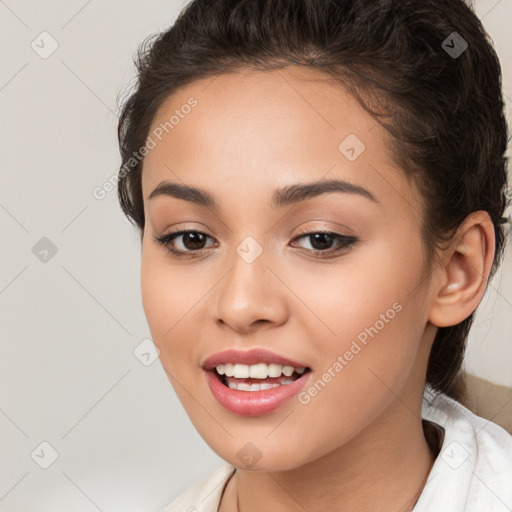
[(250, 130), (249, 108)]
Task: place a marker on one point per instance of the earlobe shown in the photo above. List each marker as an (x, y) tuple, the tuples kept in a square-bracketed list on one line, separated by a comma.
[(465, 271)]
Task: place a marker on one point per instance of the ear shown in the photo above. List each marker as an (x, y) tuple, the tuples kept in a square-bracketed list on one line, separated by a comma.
[(465, 271)]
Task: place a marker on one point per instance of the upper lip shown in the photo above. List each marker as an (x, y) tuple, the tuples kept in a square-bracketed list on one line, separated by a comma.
[(249, 357)]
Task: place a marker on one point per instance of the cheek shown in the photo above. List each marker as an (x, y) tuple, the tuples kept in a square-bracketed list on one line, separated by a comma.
[(170, 300), (363, 288), (156, 300), (373, 305), (168, 295), (387, 304)]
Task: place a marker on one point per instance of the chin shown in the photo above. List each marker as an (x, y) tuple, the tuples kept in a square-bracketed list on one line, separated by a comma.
[(260, 453)]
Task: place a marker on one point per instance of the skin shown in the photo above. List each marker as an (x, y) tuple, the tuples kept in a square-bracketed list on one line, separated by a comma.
[(358, 444)]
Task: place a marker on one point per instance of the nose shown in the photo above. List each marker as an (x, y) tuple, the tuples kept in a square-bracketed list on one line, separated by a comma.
[(251, 296)]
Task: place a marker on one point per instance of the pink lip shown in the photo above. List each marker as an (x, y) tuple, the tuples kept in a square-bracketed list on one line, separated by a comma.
[(253, 356), (253, 403)]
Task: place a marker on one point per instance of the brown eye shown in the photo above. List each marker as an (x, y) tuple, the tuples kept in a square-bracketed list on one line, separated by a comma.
[(191, 242), (321, 241), (324, 243)]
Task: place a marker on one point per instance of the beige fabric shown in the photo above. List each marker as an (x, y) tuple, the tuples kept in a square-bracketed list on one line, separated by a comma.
[(486, 399)]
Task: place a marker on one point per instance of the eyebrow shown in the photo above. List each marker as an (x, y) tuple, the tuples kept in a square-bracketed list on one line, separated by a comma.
[(284, 196)]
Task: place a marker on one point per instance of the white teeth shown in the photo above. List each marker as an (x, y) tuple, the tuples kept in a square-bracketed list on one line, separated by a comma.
[(241, 371), (252, 387), (274, 370), (256, 371), (288, 370)]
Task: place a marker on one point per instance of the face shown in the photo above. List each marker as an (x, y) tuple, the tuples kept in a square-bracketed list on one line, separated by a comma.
[(327, 279)]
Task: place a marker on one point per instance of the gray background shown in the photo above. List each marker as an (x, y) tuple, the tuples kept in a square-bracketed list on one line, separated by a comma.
[(71, 321)]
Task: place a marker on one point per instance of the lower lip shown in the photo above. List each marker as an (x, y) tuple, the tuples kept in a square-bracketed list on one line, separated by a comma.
[(253, 403)]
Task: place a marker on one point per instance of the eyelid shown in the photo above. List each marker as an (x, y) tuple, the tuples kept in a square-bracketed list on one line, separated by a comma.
[(345, 230)]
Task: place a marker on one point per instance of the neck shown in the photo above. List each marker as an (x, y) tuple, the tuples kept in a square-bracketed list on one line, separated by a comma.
[(384, 468)]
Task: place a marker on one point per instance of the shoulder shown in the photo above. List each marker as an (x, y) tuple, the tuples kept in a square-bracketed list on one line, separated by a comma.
[(473, 470), (203, 496)]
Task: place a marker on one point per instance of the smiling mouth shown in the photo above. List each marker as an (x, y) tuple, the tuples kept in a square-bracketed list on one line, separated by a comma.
[(258, 377)]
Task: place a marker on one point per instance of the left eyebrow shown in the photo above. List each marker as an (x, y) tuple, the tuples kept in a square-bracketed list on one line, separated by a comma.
[(301, 192), (287, 195)]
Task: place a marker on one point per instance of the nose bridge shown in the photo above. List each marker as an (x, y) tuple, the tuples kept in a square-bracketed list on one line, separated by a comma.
[(249, 293)]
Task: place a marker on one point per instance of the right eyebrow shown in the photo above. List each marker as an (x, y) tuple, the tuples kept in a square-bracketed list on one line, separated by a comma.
[(186, 192)]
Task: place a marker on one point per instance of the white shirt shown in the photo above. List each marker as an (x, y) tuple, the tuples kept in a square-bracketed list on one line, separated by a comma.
[(472, 473)]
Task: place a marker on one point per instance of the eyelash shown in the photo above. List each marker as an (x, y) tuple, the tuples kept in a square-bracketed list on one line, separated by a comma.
[(344, 243)]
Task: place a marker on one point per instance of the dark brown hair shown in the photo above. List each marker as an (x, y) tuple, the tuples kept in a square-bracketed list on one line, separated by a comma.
[(440, 101)]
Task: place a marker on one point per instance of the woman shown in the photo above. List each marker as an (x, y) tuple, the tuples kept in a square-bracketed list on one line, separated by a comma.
[(319, 188)]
